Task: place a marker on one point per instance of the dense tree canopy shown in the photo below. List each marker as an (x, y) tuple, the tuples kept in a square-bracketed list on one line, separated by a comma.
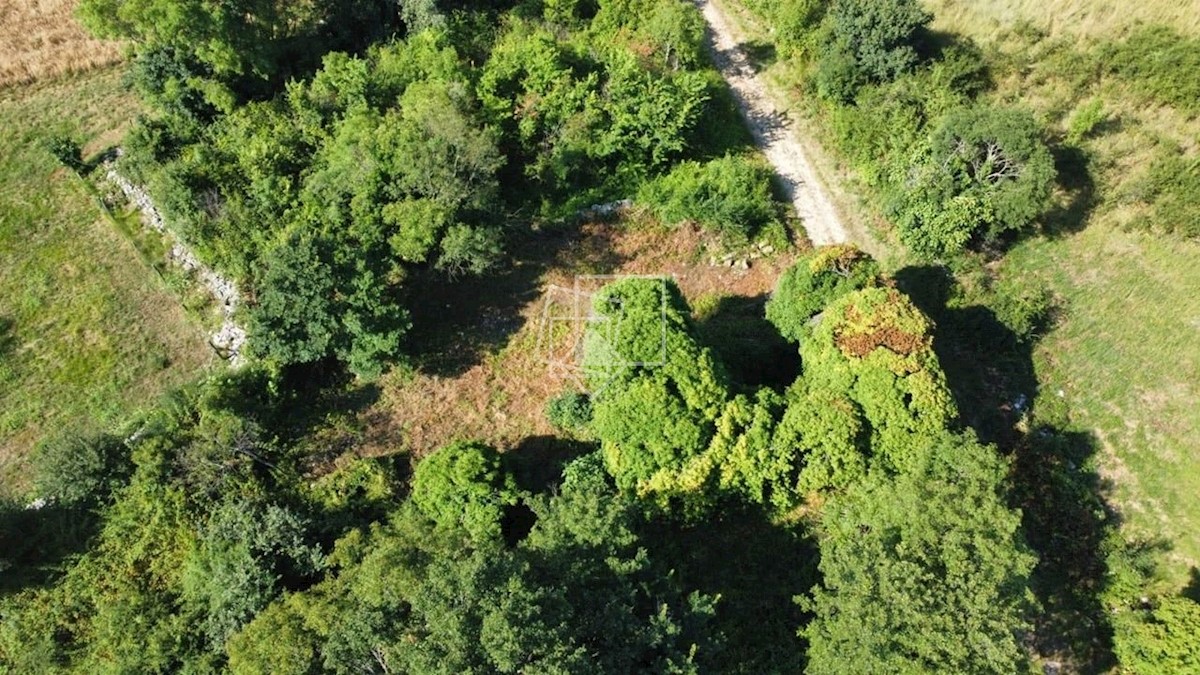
[(987, 172), (923, 572)]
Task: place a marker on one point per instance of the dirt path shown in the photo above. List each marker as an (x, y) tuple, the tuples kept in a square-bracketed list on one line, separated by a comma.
[(772, 132)]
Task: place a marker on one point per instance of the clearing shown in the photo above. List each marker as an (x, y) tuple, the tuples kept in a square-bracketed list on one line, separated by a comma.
[(88, 332), (485, 373)]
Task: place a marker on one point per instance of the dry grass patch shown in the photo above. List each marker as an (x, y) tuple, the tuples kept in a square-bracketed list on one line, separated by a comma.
[(1084, 18), (41, 39), (501, 398)]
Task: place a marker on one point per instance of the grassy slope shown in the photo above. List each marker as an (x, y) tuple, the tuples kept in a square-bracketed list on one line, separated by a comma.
[(1127, 352), (87, 330)]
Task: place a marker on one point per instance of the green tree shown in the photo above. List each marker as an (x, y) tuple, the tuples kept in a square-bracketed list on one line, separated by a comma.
[(293, 319), (986, 173), (926, 572), (814, 281), (464, 486)]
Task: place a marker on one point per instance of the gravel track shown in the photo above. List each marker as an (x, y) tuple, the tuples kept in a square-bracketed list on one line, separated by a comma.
[(772, 132)]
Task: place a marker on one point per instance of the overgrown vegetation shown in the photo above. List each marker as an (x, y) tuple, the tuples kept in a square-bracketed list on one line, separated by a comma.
[(905, 490), (1107, 142)]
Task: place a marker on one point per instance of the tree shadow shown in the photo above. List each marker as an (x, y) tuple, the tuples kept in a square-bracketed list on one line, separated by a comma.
[(458, 321), (1079, 192), (988, 367), (1066, 515), (1192, 590), (1067, 521), (36, 543), (8, 338), (748, 345), (757, 568), (761, 54), (537, 462)]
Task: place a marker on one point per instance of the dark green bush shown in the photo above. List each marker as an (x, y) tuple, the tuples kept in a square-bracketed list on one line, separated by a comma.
[(80, 469), (570, 411), (470, 250), (869, 41), (730, 196)]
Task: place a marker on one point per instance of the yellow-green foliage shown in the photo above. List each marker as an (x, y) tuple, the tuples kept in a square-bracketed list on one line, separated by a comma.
[(672, 428), (813, 282), (657, 392), (875, 347)]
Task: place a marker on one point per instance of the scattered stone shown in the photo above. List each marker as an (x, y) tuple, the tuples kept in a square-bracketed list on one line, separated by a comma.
[(743, 264), (230, 338), (767, 250)]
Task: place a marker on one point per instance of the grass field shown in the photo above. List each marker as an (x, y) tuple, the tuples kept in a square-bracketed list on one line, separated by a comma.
[(40, 39), (1091, 18), (87, 330), (1126, 353)]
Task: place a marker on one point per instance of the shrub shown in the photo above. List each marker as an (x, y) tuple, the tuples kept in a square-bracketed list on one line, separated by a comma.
[(570, 411), (1161, 63), (77, 469), (1172, 188), (1161, 639), (67, 151), (463, 486), (869, 41), (987, 172), (730, 196), (1085, 119), (816, 280)]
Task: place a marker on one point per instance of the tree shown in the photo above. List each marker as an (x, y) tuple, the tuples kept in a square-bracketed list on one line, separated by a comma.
[(872, 352), (293, 319), (986, 173), (869, 41), (464, 487), (926, 572), (1163, 637), (813, 282), (658, 393)]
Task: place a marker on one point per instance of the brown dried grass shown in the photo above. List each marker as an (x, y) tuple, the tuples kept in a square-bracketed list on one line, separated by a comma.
[(41, 39)]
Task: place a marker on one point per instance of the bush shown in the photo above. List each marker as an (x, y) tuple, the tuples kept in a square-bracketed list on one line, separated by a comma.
[(76, 469), (1172, 188), (730, 196), (1162, 639), (1085, 119), (570, 411), (463, 486), (987, 172), (67, 151), (869, 41), (813, 282)]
